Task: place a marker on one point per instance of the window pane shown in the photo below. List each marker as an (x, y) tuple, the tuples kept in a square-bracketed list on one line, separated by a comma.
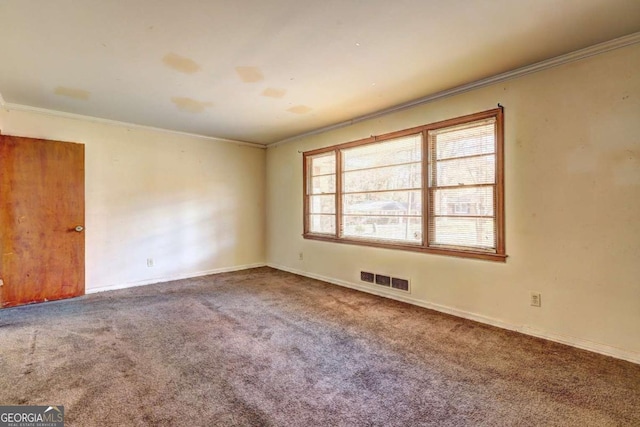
[(477, 201), (381, 215), (408, 230), (325, 224), (322, 204), (465, 156), (387, 203), (400, 150), (466, 171), (384, 178), (470, 232), (323, 184), (465, 140), (323, 164)]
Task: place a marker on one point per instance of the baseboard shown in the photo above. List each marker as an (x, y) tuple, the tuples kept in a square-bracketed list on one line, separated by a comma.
[(583, 344), (171, 278)]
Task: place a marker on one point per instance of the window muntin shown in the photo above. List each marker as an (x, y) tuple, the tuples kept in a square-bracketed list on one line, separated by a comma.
[(435, 188)]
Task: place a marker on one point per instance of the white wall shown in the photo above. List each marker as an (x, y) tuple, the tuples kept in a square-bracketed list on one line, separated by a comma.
[(572, 171), (191, 204)]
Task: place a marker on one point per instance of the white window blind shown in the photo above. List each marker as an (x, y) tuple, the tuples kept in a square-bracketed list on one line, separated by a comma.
[(321, 193), (381, 190), (462, 185)]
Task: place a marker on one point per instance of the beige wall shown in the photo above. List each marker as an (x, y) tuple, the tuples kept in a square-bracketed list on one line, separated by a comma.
[(572, 209), (191, 204)]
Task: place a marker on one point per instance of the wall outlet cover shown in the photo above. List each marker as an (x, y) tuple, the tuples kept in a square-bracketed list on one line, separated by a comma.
[(536, 299)]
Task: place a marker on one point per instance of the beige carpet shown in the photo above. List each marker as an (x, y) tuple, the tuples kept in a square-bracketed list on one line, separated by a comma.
[(267, 348)]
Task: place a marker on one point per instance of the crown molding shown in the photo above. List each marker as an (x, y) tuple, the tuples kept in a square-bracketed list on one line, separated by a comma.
[(577, 55), (26, 108)]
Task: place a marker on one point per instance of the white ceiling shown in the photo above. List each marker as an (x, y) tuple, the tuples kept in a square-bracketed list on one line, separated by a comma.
[(266, 70)]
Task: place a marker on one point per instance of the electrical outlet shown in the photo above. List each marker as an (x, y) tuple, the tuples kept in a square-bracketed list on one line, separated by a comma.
[(536, 299), (300, 256), (149, 262)]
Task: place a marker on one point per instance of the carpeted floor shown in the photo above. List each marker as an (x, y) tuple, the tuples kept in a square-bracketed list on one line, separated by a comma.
[(263, 347)]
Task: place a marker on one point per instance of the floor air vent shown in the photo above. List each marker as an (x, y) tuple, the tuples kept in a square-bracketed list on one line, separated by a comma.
[(384, 280), (401, 284), (365, 276)]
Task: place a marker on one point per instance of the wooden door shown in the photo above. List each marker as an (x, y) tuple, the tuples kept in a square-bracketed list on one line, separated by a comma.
[(41, 220)]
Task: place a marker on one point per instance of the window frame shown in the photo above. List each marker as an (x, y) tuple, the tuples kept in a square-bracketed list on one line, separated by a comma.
[(500, 249)]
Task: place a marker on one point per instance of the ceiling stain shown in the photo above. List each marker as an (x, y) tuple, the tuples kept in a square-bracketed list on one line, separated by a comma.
[(272, 92), (180, 63), (189, 105), (299, 109), (250, 74), (69, 92)]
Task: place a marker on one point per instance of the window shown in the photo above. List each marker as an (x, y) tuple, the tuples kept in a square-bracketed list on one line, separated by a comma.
[(436, 188)]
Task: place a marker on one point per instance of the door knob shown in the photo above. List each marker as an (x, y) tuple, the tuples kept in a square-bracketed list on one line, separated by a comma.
[(79, 228)]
